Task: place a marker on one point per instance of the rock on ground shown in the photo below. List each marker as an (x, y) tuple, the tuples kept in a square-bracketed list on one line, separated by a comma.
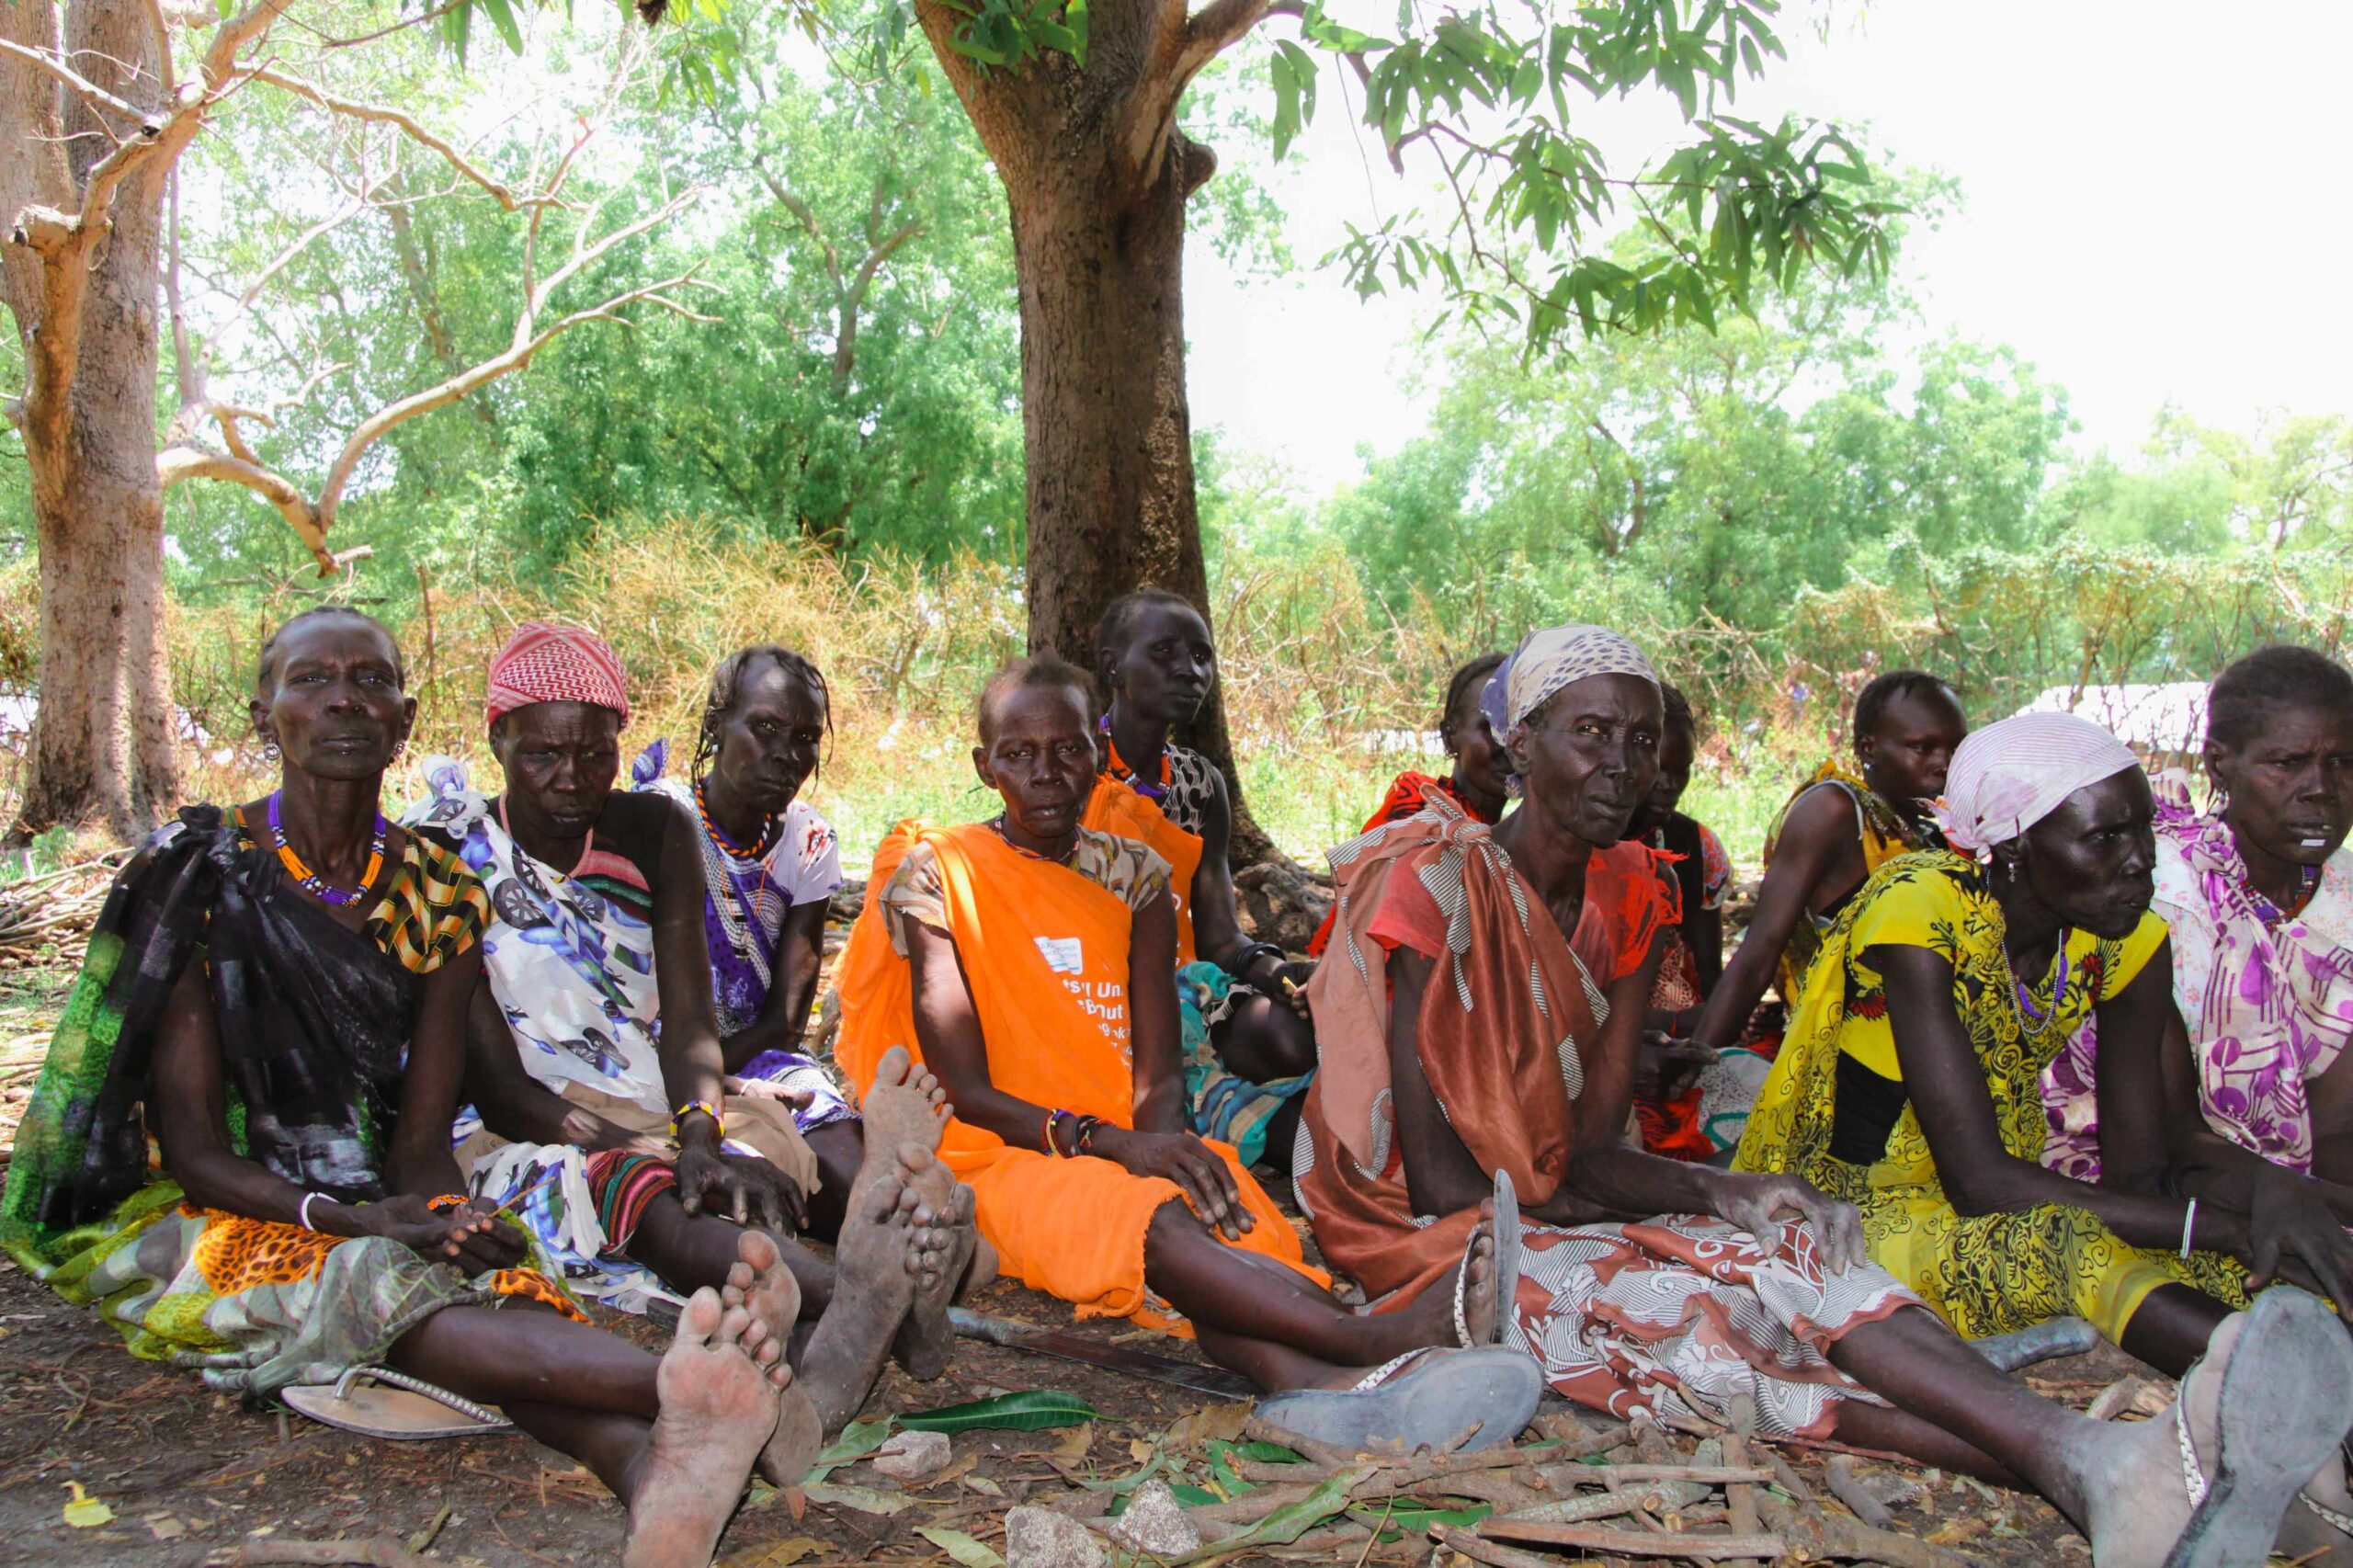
[(1156, 1524), (912, 1455), (1040, 1537)]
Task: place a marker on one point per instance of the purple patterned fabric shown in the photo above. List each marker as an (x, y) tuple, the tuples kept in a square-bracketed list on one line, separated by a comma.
[(2268, 996)]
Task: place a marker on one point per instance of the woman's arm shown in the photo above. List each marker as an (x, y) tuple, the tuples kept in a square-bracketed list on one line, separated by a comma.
[(520, 1108), (948, 1031), (419, 1163), (1704, 931), (793, 986), (693, 1067), (1948, 1089), (1442, 1176), (190, 1107), (1818, 831), (2155, 1138)]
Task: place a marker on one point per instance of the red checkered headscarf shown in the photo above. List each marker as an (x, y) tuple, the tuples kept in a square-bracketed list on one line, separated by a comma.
[(555, 663)]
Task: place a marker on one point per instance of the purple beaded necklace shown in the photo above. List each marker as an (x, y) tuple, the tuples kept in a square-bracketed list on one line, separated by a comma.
[(308, 880)]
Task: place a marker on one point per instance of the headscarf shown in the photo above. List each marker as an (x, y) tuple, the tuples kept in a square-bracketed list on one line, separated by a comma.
[(1548, 660), (1553, 658), (2012, 774), (555, 663)]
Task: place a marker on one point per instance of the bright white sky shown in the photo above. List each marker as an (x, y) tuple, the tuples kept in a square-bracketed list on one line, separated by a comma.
[(2155, 211)]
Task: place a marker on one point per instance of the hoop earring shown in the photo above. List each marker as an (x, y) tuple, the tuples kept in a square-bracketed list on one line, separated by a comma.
[(399, 748), (271, 753)]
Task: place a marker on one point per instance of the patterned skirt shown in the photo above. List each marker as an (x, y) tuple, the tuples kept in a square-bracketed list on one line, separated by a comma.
[(255, 1305), (1676, 1314)]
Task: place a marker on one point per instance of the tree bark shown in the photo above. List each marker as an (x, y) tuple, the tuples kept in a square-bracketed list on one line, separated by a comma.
[(102, 743), (1096, 177)]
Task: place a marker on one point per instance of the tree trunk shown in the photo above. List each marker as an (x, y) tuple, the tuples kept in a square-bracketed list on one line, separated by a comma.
[(102, 743), (1098, 240)]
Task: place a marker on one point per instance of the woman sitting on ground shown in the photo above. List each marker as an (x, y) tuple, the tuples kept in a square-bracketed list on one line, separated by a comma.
[(1840, 827), (1029, 962), (770, 865), (282, 990), (635, 1162), (1481, 1012), (2257, 893), (1687, 1099), (1248, 1045), (1479, 783)]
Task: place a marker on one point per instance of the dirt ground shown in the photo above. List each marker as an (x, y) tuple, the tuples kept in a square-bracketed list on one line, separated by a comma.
[(191, 1477)]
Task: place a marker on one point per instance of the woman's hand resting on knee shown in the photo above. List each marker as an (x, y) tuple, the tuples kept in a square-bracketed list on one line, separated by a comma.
[(1207, 1181), (1757, 1204), (2292, 1235), (469, 1236)]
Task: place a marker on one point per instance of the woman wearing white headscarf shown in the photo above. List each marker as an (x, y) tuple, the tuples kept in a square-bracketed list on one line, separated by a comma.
[(1910, 1082), (1477, 1018)]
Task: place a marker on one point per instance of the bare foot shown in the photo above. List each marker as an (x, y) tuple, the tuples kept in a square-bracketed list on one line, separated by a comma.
[(1433, 1314), (927, 1341), (759, 1283), (904, 1104), (719, 1386), (2264, 1409), (874, 1282)]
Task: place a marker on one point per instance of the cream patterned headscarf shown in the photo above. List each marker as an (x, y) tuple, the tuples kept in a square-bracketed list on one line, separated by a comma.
[(2010, 774), (1548, 660)]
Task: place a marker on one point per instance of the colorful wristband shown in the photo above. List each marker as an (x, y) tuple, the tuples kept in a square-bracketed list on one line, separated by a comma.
[(447, 1200), (678, 1117)]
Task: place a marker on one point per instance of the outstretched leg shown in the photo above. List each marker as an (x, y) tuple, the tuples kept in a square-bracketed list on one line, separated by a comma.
[(1277, 1329)]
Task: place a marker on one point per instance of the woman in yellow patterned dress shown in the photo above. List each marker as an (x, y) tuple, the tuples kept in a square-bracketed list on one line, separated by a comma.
[(1909, 1084), (279, 993)]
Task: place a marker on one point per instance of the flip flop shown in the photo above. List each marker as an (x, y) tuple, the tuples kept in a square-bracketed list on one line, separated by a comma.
[(1506, 1255), (2281, 1413), (1489, 1392), (377, 1402)]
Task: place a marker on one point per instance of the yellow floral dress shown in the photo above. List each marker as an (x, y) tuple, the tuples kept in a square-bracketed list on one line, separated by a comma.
[(1988, 1273)]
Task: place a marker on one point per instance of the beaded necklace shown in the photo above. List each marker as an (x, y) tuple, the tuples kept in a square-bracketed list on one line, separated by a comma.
[(727, 845), (308, 880), (1128, 776), (2032, 1019)]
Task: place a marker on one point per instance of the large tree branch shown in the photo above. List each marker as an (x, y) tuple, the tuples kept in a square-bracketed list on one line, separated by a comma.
[(408, 125), (100, 101)]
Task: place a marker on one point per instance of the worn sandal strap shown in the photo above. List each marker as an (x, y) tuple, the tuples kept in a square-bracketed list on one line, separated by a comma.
[(1386, 1370), (455, 1401)]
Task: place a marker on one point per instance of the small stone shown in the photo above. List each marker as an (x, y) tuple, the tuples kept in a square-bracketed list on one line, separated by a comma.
[(913, 1457), (1040, 1537), (1156, 1524)]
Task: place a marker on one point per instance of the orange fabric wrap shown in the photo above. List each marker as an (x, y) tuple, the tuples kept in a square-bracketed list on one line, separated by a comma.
[(1494, 1065), (1117, 809), (1073, 1228)]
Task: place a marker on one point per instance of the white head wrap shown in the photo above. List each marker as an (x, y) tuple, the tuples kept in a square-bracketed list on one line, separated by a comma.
[(2012, 774), (1548, 660)]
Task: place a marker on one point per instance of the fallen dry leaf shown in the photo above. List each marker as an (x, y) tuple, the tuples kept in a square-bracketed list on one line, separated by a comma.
[(1224, 1422), (165, 1527)]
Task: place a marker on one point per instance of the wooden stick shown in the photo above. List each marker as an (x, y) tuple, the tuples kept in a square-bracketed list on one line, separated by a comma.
[(1849, 1488), (1829, 1535), (1629, 1543), (1740, 1496), (1488, 1552), (383, 1551)]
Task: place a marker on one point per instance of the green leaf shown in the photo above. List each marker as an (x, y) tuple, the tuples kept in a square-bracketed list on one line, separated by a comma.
[(502, 16), (1193, 1496), (1269, 1453), (1031, 1410), (857, 1439), (962, 1548), (1292, 1520), (1416, 1518)]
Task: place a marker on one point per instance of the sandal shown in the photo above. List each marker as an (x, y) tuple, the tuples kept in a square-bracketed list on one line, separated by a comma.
[(2287, 1384), (377, 1402), (1490, 1393), (1504, 1228)]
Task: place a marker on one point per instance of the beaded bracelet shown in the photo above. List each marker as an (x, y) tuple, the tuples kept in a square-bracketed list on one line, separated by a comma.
[(1052, 1147), (1083, 1142), (447, 1200), (678, 1117)]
